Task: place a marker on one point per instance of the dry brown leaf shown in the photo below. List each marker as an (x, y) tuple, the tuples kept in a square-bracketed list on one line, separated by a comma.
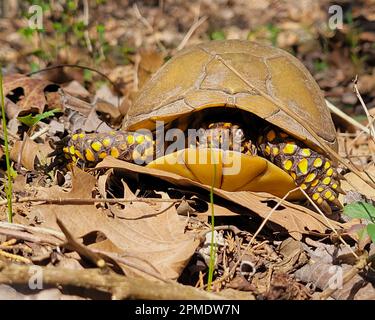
[(354, 183), (32, 98), (150, 62), (110, 113), (76, 89), (153, 243), (30, 152), (295, 219)]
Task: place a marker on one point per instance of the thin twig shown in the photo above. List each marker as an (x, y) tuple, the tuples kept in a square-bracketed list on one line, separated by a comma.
[(372, 129), (120, 287), (148, 26), (86, 17), (347, 118), (192, 29), (40, 132), (68, 65), (92, 200)]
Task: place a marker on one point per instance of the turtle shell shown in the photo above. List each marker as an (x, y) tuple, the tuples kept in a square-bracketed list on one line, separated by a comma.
[(195, 79)]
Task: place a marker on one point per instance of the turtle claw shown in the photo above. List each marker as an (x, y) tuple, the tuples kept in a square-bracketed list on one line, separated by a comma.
[(325, 207), (340, 190), (337, 203)]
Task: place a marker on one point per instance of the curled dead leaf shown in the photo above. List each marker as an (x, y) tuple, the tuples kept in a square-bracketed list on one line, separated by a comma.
[(30, 153), (30, 94)]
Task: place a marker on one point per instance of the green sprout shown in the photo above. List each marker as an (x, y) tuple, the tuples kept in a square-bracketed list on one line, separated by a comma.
[(211, 266), (8, 188)]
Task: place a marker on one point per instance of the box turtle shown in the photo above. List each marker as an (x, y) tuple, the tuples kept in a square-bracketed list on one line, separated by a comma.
[(196, 117)]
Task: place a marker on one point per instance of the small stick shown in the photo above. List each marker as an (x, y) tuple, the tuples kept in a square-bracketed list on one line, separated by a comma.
[(92, 200), (80, 249), (120, 287), (40, 133), (148, 26), (344, 116), (192, 29), (86, 23), (369, 118)]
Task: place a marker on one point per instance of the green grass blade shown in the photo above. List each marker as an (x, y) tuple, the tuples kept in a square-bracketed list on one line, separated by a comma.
[(211, 266), (7, 158)]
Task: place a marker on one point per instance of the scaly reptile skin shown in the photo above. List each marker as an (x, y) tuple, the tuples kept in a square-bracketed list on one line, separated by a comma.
[(310, 170)]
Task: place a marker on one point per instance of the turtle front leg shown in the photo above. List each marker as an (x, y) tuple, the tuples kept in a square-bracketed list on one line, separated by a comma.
[(310, 170), (89, 149)]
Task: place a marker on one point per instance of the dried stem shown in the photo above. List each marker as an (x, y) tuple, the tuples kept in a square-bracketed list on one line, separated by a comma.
[(120, 287)]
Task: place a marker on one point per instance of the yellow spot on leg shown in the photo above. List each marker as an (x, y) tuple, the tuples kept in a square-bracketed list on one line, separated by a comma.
[(314, 183), (106, 142), (293, 175), (81, 135), (130, 139), (74, 137), (140, 139), (318, 163), (319, 201), (89, 155), (66, 149), (329, 172), (288, 164), (275, 151), (289, 148), (303, 166), (310, 177), (327, 165), (102, 155), (328, 194), (267, 150), (327, 181), (114, 152), (79, 155), (96, 145), (315, 196), (306, 152), (72, 150), (331, 198)]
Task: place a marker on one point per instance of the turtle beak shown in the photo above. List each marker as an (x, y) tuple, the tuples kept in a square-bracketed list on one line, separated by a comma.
[(228, 170)]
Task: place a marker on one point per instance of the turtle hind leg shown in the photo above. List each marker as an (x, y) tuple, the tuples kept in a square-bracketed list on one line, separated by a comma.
[(311, 171), (90, 149)]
